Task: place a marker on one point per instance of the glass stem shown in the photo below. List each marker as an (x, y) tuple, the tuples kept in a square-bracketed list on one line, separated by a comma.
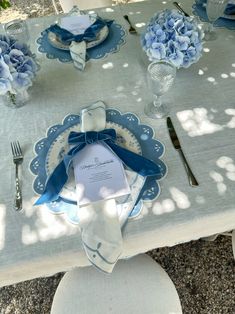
[(157, 101), (212, 27)]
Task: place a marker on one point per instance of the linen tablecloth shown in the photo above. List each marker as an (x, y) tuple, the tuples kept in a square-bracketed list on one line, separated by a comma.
[(34, 242)]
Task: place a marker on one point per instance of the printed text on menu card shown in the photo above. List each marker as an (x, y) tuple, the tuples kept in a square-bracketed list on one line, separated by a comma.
[(99, 175)]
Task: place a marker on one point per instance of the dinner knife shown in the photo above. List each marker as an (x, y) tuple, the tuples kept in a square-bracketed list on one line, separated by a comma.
[(176, 4), (177, 146)]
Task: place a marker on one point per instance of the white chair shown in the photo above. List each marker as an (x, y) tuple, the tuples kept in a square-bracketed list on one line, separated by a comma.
[(233, 242), (136, 286), (67, 5)]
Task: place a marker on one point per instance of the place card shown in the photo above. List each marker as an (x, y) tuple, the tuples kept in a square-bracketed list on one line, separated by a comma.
[(76, 24), (99, 174)]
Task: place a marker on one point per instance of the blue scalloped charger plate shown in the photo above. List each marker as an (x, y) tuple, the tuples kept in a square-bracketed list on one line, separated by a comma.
[(131, 134)]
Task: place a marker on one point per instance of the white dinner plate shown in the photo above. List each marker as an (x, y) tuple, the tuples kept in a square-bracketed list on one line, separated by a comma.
[(56, 43), (60, 146)]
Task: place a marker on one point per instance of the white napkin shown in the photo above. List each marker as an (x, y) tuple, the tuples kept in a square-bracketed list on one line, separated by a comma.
[(78, 54), (101, 222), (77, 22)]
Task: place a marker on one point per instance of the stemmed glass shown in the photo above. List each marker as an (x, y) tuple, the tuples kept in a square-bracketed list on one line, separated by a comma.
[(214, 9), (18, 29), (160, 78)]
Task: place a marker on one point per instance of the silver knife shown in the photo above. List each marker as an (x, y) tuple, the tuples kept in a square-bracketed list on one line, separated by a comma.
[(176, 4), (176, 144)]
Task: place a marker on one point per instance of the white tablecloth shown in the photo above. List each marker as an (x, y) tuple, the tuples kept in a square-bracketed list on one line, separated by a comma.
[(34, 242)]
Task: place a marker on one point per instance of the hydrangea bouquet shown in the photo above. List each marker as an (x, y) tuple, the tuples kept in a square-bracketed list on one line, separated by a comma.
[(18, 69), (173, 37)]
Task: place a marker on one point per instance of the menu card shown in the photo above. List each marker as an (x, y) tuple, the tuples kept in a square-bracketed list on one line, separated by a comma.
[(99, 174), (76, 24)]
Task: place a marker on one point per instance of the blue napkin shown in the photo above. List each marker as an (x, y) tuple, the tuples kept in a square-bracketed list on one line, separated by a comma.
[(230, 8), (90, 33)]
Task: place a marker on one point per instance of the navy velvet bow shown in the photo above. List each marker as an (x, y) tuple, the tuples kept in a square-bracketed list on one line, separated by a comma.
[(59, 176), (90, 33)]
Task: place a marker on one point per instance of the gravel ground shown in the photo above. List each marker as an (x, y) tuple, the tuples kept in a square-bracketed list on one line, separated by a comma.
[(202, 271)]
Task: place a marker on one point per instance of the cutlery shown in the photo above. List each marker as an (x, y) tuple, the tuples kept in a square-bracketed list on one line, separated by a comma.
[(177, 146), (17, 159), (176, 4), (131, 30)]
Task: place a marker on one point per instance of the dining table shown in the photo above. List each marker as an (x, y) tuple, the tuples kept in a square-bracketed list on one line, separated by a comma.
[(35, 242)]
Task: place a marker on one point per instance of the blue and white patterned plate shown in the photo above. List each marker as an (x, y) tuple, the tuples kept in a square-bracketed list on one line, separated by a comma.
[(132, 135), (112, 43)]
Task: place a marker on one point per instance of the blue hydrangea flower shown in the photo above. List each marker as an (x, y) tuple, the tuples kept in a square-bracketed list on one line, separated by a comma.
[(18, 66), (5, 86), (4, 70), (172, 37)]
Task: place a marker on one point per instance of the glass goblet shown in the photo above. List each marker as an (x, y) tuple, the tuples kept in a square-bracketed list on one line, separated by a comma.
[(160, 78), (18, 29), (214, 10)]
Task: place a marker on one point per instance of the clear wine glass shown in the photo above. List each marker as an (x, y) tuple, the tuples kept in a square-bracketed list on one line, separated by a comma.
[(214, 10), (18, 29), (160, 78)]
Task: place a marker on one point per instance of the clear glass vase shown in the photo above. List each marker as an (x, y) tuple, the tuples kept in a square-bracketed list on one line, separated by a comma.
[(16, 100)]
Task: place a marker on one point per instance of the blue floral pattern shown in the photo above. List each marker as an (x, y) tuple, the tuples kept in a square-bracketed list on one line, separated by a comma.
[(147, 145), (113, 42)]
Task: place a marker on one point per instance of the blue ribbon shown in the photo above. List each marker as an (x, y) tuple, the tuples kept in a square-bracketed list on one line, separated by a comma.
[(90, 33), (59, 176)]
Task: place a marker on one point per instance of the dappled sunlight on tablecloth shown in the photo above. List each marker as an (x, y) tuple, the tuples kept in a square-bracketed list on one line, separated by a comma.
[(107, 66), (138, 25), (231, 112), (199, 121), (228, 165), (218, 178), (223, 75), (166, 206), (226, 171), (110, 10), (43, 225), (179, 200)]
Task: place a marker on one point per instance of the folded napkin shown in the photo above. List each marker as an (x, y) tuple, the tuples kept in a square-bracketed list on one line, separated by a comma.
[(229, 10), (101, 222), (78, 42)]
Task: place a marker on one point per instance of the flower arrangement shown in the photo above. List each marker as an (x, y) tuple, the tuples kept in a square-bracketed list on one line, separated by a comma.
[(173, 37), (18, 67)]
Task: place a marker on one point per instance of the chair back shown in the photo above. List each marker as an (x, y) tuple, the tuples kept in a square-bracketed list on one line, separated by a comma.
[(67, 5)]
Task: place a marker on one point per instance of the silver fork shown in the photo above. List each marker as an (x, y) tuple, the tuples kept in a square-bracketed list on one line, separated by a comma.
[(17, 159), (131, 30)]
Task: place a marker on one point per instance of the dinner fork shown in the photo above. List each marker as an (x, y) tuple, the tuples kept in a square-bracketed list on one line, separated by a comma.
[(131, 30), (17, 159)]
